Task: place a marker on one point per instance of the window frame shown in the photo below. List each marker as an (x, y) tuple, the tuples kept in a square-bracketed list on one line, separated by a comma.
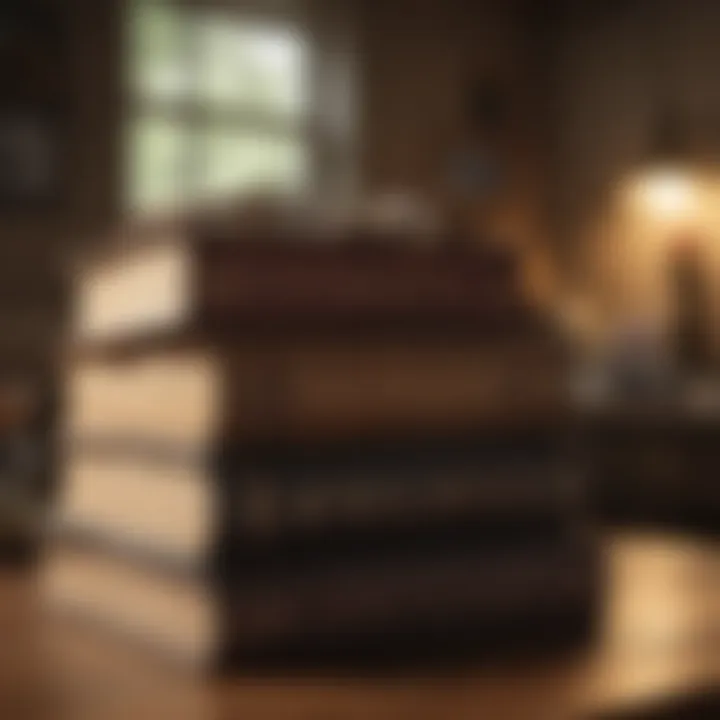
[(196, 116)]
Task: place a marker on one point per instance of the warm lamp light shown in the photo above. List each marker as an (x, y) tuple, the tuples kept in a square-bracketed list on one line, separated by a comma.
[(668, 193), (665, 186)]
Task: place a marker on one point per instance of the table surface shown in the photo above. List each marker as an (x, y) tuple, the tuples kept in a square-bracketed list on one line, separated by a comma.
[(660, 634)]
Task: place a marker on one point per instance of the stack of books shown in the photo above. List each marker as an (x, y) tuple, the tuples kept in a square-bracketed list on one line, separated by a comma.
[(268, 445)]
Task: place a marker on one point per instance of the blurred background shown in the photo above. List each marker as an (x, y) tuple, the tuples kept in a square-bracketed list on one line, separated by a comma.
[(545, 168)]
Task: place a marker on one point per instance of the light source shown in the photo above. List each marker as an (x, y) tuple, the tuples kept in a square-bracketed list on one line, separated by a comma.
[(666, 184), (667, 192)]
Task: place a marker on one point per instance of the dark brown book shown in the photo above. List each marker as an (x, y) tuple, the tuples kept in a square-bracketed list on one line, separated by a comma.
[(316, 500), (207, 394), (176, 278), (199, 621)]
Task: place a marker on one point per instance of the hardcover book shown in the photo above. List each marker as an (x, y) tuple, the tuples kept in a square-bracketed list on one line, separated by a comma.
[(347, 600), (177, 280), (199, 396), (316, 498)]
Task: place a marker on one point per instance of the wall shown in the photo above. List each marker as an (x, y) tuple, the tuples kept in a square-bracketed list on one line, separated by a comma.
[(89, 120), (618, 62), (35, 243), (421, 60)]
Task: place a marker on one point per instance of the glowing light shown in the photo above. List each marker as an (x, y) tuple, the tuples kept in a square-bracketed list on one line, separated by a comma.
[(669, 194)]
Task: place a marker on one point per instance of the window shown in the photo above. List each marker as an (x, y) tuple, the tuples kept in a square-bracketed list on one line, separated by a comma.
[(218, 104)]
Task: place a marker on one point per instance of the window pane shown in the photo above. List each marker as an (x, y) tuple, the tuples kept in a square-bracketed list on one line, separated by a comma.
[(217, 75), (253, 66), (236, 162), (158, 158), (160, 59)]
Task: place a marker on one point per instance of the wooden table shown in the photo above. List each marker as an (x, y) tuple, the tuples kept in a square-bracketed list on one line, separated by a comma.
[(661, 634), (656, 462)]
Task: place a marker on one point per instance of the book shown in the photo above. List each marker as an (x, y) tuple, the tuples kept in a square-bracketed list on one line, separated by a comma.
[(311, 497), (197, 396), (179, 616), (345, 600), (176, 280)]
